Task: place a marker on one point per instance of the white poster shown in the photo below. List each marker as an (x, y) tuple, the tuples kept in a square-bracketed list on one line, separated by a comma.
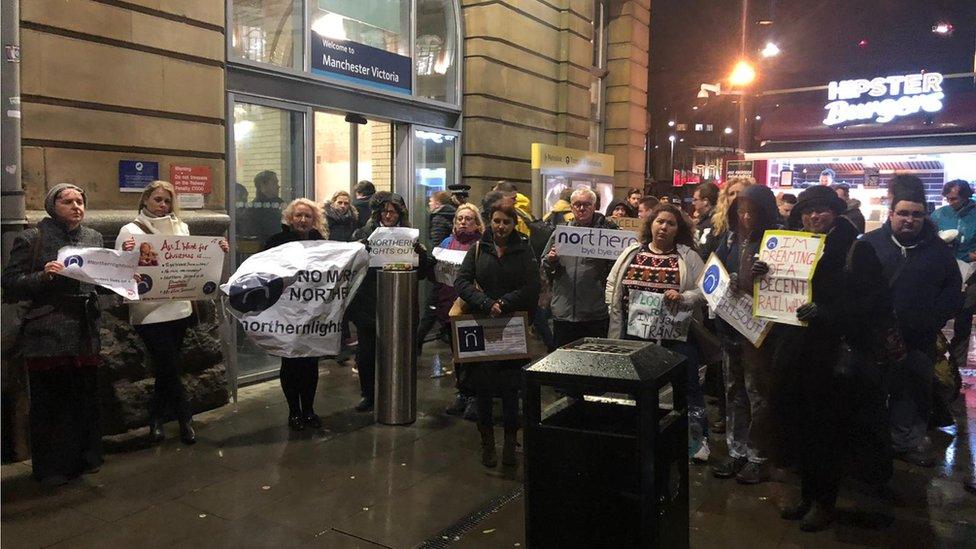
[(591, 242), (290, 299), (178, 267), (115, 270), (393, 245), (478, 338), (648, 317), (732, 306), (448, 264)]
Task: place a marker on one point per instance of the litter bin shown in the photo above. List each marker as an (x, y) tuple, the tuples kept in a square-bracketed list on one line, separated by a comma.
[(396, 360), (609, 468)]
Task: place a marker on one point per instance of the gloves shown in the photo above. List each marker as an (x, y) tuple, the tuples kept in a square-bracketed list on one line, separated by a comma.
[(807, 312), (760, 269)]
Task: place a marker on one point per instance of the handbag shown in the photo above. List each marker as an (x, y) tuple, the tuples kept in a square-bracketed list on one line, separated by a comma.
[(460, 306)]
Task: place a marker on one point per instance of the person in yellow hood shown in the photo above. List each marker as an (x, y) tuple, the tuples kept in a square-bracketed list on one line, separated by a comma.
[(522, 205), (561, 212)]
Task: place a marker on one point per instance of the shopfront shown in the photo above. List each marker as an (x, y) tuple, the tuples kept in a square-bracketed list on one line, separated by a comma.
[(325, 93)]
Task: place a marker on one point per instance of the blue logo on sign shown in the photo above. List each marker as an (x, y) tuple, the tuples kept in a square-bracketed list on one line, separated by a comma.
[(209, 287), (772, 243), (711, 280), (256, 292), (145, 283), (74, 260)]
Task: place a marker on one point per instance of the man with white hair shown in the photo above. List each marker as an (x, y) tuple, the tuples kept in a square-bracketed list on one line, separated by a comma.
[(578, 307)]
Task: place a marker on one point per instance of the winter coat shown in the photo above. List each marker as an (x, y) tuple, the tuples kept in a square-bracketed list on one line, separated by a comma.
[(926, 287), (613, 206), (512, 278), (964, 221), (560, 214), (62, 318), (854, 215), (162, 311), (363, 210), (365, 301), (577, 282), (445, 295), (288, 235), (341, 227), (441, 223), (689, 269), (705, 236)]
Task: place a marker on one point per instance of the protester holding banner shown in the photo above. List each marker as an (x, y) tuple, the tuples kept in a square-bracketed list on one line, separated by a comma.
[(58, 339), (747, 369), (468, 229), (663, 265), (578, 308), (300, 220), (341, 217), (162, 325), (499, 276)]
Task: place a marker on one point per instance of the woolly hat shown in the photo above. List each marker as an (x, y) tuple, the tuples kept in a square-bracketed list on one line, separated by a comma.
[(53, 192), (818, 195)]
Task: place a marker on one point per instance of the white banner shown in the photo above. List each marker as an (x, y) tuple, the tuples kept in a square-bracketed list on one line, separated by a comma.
[(732, 306), (591, 242), (115, 270), (290, 299), (393, 245), (448, 264), (178, 267), (648, 317)]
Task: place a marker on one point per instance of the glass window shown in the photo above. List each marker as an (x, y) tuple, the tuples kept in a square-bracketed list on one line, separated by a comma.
[(332, 142), (437, 50), (269, 31), (435, 156), (376, 154)]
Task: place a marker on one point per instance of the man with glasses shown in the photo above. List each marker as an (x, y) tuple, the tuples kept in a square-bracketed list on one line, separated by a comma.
[(578, 307), (925, 293)]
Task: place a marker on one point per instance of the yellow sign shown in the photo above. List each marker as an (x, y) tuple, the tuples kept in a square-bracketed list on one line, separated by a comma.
[(551, 157)]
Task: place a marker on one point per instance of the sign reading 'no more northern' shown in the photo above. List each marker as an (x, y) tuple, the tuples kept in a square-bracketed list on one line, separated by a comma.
[(591, 242), (792, 257)]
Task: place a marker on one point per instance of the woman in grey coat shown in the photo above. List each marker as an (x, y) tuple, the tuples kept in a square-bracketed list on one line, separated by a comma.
[(58, 340)]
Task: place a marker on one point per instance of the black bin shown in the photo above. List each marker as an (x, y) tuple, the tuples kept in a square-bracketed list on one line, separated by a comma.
[(607, 466)]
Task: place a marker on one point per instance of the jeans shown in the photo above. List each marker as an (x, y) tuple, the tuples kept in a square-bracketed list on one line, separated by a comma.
[(510, 410), (749, 417), (911, 399), (692, 392)]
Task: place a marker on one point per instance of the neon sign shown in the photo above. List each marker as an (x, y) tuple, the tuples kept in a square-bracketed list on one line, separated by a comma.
[(889, 97)]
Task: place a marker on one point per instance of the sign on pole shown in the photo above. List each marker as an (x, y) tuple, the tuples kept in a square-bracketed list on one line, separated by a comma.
[(792, 257)]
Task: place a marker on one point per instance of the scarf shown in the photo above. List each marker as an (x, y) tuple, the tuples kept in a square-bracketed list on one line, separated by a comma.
[(167, 224), (337, 217)]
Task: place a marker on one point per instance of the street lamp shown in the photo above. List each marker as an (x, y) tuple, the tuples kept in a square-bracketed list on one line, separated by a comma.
[(742, 74), (771, 50), (671, 138)]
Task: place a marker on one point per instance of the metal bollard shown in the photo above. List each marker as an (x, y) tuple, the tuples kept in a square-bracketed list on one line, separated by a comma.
[(396, 361)]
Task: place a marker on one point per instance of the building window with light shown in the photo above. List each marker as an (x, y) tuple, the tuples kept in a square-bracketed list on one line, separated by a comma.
[(268, 31)]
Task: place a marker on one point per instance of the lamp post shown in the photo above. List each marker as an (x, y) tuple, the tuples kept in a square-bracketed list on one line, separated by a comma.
[(671, 138)]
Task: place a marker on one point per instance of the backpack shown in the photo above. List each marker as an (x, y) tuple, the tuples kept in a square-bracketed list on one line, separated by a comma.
[(540, 232)]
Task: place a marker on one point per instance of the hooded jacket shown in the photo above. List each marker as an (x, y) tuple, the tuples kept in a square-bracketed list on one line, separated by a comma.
[(926, 287), (613, 206), (560, 214), (163, 311), (736, 256), (964, 221), (441, 223), (854, 215), (578, 282)]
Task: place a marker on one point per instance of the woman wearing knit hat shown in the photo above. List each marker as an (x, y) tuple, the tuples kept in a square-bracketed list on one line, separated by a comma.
[(58, 339)]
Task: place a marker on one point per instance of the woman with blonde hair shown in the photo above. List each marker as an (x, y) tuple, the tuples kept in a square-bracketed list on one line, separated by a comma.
[(162, 325), (301, 220), (720, 217)]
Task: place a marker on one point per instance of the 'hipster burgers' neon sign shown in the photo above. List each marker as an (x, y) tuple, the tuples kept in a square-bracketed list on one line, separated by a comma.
[(899, 95)]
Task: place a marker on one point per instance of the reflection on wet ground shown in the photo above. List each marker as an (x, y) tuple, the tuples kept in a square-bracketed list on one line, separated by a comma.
[(249, 482)]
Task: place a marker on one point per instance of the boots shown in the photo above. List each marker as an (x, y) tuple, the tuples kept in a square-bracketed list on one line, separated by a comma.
[(508, 448), (488, 457), (187, 434), (155, 428)]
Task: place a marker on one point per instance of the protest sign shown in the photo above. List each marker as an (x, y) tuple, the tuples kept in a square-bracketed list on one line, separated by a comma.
[(484, 338), (178, 267), (792, 257), (110, 269), (632, 224), (393, 245), (290, 299), (648, 317), (448, 264), (731, 305), (591, 242)]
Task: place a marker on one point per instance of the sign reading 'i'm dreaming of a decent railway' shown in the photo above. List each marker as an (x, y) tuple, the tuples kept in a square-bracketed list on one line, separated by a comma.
[(364, 65), (887, 97)]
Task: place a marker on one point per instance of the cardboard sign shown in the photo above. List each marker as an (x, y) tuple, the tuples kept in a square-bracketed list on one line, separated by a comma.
[(448, 264), (178, 267), (104, 267), (290, 299), (629, 223), (649, 318), (191, 179), (591, 242), (731, 305), (478, 338), (393, 245), (792, 257)]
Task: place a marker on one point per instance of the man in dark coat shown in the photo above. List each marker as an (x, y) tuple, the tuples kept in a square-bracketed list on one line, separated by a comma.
[(926, 290), (364, 192), (441, 219)]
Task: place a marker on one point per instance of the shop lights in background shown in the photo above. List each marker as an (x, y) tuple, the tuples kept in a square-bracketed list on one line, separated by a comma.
[(330, 25), (433, 136), (894, 96), (943, 28), (771, 50)]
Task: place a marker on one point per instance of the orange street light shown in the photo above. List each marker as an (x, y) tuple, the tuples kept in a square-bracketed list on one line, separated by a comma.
[(743, 74)]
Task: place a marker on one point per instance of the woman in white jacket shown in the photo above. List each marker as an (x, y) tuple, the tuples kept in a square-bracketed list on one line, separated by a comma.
[(162, 325), (664, 261)]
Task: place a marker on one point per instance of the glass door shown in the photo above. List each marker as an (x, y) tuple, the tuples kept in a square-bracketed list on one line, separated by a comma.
[(435, 166), (338, 141)]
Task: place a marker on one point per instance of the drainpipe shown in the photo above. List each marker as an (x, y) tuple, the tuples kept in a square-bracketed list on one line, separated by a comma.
[(12, 204)]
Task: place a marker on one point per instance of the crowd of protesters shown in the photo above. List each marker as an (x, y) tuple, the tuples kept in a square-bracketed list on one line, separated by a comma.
[(842, 395)]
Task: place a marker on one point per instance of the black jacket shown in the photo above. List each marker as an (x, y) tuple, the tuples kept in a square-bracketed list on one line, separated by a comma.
[(926, 286), (440, 224), (362, 209), (513, 278), (287, 235), (341, 228)]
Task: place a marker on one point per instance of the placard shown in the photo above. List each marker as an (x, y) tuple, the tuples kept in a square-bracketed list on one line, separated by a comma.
[(648, 317), (633, 224), (592, 242), (178, 267), (393, 245), (448, 264), (112, 269), (731, 305), (477, 338), (792, 257), (136, 175)]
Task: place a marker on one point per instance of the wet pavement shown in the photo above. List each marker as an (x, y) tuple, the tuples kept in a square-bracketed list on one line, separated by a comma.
[(250, 482)]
